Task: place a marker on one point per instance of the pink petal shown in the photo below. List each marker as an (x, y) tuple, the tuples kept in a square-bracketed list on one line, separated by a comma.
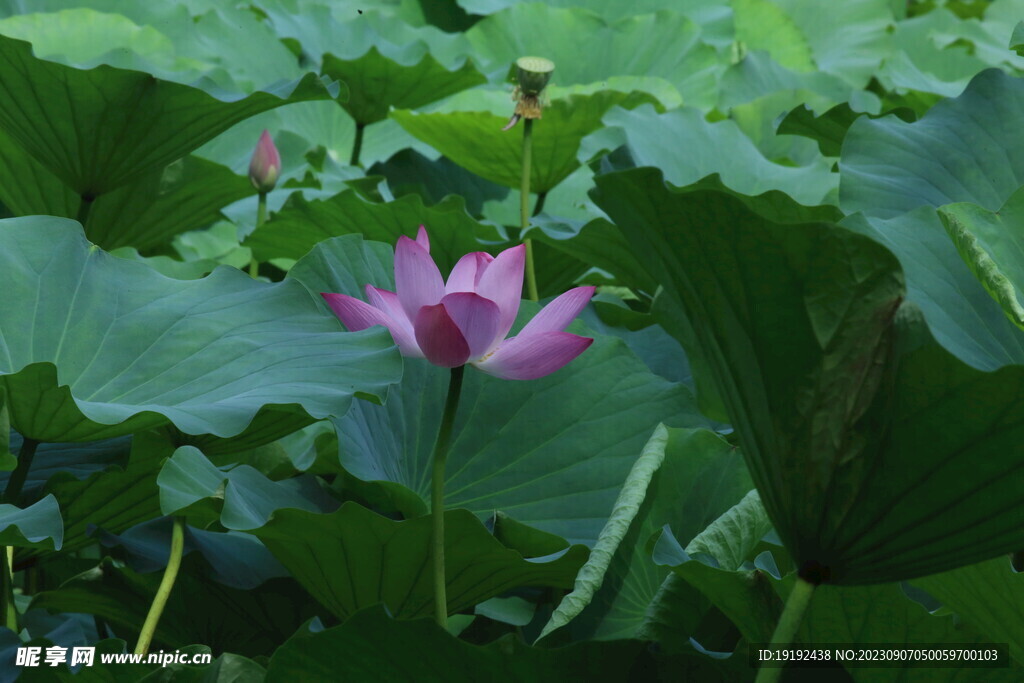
[(476, 317), (557, 315), (466, 273), (417, 278), (502, 283), (422, 239), (358, 315), (388, 302), (439, 337), (533, 356), (265, 164)]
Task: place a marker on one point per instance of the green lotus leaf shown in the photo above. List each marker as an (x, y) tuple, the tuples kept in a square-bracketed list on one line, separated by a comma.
[(475, 139), (133, 122), (119, 347), (662, 44), (37, 526), (80, 460), (685, 478), (300, 225), (610, 9), (936, 53), (112, 499), (961, 314), (147, 212), (866, 615), (353, 558), (654, 139), (376, 83), (82, 36), (243, 498), (831, 392), (363, 648), (829, 129), (1017, 39), (848, 39), (966, 149), (251, 622), (715, 565), (409, 172), (990, 244), (985, 596)]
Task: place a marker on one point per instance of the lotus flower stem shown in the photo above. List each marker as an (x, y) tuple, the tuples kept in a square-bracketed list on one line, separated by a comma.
[(789, 623), (261, 218), (357, 144), (83, 209), (13, 491), (11, 495), (524, 207), (444, 435), (7, 608), (164, 590)]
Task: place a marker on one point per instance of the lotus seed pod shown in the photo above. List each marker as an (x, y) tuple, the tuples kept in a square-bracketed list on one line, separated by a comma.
[(533, 74)]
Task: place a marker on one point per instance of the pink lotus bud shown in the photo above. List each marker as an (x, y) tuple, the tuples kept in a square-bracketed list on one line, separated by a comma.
[(265, 167)]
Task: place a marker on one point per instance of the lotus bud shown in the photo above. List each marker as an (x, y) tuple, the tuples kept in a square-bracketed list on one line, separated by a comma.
[(265, 166)]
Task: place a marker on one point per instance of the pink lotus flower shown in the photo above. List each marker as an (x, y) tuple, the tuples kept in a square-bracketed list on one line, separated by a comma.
[(465, 320), (265, 165)]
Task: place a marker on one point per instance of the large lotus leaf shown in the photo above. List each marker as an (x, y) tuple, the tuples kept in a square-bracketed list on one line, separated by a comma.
[(226, 668), (376, 83), (763, 25), (113, 499), (655, 139), (241, 497), (364, 647), (232, 558), (987, 597), (758, 77), (353, 558), (1017, 39), (83, 36), (715, 564), (611, 10), (107, 125), (828, 129), (872, 615), (695, 476), (80, 460), (149, 211), (409, 172), (662, 44), (990, 243), (878, 456), (966, 149), (230, 47), (960, 313), (560, 473), (938, 52), (118, 347), (322, 28), (849, 39), (146, 212), (302, 224), (597, 243), (37, 526), (475, 139), (252, 622), (564, 468)]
